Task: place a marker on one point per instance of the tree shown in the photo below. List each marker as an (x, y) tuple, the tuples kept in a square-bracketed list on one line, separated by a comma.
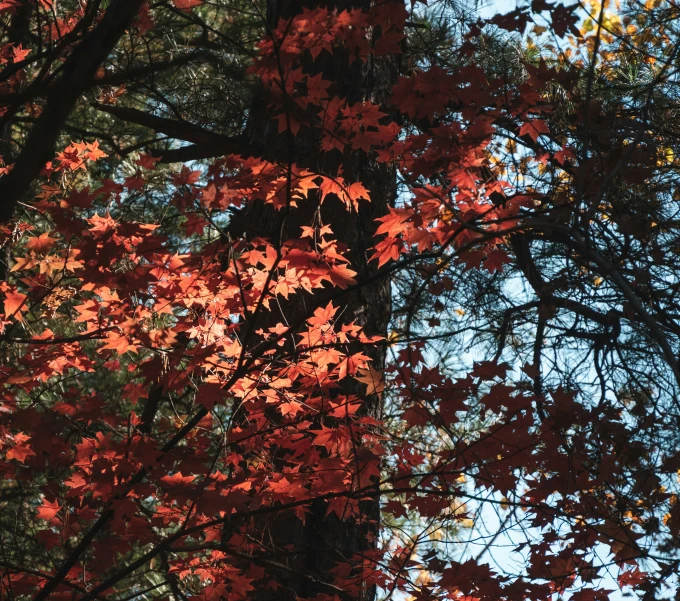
[(306, 340)]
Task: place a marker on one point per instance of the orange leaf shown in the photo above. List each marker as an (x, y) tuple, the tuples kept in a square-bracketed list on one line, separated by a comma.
[(21, 449), (373, 380), (14, 304), (119, 343), (41, 243), (48, 510)]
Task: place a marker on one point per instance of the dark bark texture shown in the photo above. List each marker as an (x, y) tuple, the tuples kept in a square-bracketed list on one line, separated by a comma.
[(310, 550)]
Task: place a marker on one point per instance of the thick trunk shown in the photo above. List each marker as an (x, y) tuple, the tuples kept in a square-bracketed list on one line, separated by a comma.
[(322, 542)]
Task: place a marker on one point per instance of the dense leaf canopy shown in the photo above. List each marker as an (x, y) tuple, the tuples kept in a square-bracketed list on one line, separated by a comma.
[(348, 300)]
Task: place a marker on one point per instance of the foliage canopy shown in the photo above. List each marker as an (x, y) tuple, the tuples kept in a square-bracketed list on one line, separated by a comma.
[(344, 300)]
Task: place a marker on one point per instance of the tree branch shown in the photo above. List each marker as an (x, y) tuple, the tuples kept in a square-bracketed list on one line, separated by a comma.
[(205, 144), (77, 75)]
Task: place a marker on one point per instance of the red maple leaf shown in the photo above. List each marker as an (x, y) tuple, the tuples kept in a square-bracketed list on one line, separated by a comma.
[(534, 128), (48, 510), (187, 5)]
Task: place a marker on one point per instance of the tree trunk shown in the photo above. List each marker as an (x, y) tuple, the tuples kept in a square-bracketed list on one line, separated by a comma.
[(321, 542)]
